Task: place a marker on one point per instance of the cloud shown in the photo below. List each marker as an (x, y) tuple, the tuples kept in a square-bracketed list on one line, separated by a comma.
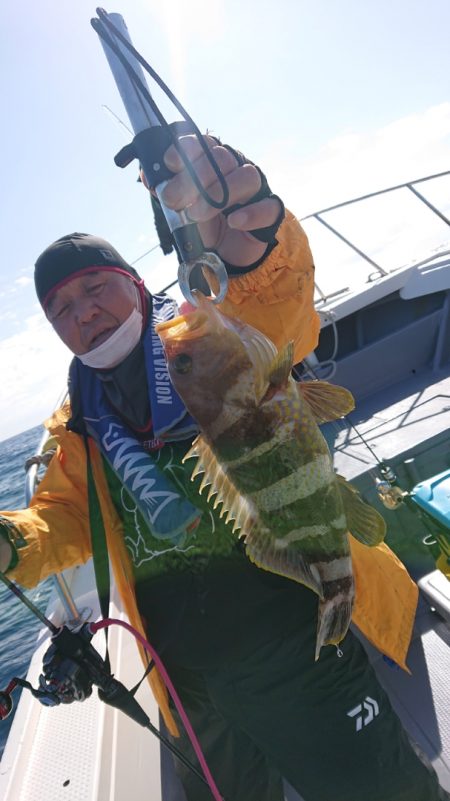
[(358, 162), (143, 238), (8, 316), (24, 280), (35, 363), (394, 229)]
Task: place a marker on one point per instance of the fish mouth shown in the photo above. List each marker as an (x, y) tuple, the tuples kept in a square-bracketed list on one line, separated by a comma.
[(193, 324), (186, 326)]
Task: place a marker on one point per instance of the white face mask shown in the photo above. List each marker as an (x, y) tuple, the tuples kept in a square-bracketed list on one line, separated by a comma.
[(118, 346)]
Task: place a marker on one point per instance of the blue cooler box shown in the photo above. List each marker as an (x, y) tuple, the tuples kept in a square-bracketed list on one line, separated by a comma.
[(433, 495)]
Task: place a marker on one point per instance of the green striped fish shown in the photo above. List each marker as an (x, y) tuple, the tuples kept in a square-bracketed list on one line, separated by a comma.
[(265, 460)]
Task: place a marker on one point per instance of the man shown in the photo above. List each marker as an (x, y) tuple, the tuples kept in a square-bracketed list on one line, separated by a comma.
[(238, 642)]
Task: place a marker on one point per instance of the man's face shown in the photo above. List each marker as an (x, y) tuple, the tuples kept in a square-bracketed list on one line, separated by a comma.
[(89, 308)]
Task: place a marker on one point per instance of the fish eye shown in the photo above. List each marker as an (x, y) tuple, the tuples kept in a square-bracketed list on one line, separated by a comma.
[(182, 363)]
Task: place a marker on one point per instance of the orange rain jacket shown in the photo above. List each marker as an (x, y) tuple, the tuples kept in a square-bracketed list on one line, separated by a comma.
[(277, 298)]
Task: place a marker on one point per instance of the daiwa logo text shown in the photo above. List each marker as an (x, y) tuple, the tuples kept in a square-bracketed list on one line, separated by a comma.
[(135, 468), (364, 713)]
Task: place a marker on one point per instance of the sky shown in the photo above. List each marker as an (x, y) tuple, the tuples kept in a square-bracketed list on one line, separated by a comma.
[(332, 100)]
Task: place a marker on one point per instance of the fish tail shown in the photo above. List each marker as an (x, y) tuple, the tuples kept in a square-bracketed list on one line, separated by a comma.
[(334, 619)]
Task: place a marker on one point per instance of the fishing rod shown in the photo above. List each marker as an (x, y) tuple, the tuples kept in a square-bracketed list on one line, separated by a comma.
[(153, 135), (72, 666)]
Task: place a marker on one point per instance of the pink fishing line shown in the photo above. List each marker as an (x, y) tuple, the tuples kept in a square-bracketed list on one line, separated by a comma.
[(101, 624)]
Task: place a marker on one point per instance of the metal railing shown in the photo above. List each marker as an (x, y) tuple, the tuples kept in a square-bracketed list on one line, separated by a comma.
[(410, 185)]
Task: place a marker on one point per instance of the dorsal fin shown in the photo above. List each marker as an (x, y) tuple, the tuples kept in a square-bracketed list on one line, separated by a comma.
[(363, 521), (281, 365), (234, 506), (326, 401)]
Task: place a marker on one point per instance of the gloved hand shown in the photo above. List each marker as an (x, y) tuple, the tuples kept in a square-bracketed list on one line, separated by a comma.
[(241, 236), (6, 550)]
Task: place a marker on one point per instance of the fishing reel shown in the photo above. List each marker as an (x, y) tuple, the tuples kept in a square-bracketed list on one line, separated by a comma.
[(63, 678), (70, 668), (389, 493)]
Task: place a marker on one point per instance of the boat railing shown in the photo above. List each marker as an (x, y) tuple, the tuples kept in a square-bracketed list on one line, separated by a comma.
[(380, 271)]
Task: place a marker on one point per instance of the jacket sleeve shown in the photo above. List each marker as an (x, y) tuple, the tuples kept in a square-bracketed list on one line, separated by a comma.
[(278, 296), (53, 532)]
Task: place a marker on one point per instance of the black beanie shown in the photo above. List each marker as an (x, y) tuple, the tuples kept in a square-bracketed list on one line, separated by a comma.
[(72, 254)]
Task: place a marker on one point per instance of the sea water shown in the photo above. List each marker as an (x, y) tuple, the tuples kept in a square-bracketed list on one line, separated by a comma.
[(18, 626)]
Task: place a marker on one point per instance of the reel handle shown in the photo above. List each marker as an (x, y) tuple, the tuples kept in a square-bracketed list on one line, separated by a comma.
[(6, 701), (6, 704)]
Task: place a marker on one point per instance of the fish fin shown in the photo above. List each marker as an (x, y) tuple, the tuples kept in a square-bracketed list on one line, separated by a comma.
[(234, 506), (326, 401), (276, 371), (280, 368), (363, 521), (334, 620), (261, 548)]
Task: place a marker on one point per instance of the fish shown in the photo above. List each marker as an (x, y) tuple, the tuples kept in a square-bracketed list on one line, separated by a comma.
[(264, 458)]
